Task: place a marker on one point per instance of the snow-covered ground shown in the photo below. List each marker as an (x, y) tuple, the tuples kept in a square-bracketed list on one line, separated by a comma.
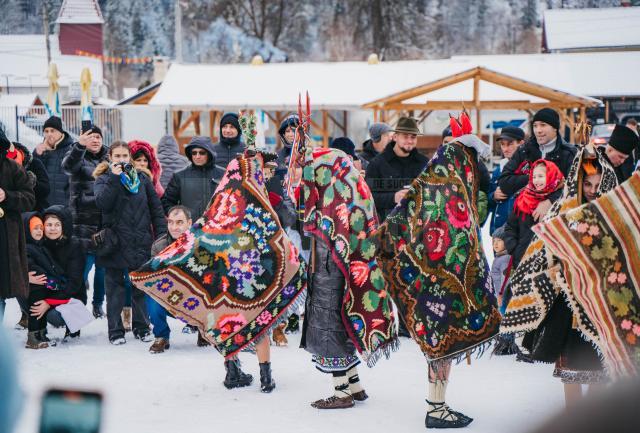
[(181, 390)]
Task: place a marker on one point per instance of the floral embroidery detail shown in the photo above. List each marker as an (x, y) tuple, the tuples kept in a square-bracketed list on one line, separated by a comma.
[(191, 304), (164, 285), (245, 268), (458, 213), (228, 324), (264, 318), (437, 239)]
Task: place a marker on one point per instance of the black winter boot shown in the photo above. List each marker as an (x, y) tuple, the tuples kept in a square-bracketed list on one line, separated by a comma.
[(267, 384), (34, 342), (236, 378), (42, 335)]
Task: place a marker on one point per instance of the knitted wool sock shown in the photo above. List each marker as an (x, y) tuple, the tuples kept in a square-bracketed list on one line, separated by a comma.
[(437, 407), (341, 385), (354, 380)]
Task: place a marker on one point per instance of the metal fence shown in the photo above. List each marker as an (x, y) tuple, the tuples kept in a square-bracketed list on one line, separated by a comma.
[(26, 124)]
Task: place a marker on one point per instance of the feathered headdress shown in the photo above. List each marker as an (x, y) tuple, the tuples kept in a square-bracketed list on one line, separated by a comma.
[(460, 126)]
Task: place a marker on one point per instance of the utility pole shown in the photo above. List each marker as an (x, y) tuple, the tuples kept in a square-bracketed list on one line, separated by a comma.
[(45, 24), (178, 31)]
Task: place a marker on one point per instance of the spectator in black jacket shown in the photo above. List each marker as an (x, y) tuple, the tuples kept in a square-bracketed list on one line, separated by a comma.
[(545, 143), (619, 151), (51, 151), (194, 185), (79, 164), (36, 172), (56, 267), (132, 209), (390, 173), (230, 144), (381, 134)]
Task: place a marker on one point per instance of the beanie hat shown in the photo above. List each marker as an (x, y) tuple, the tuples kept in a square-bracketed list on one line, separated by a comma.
[(231, 119), (344, 144), (548, 116), (446, 132), (54, 122), (499, 233), (34, 222), (623, 139), (97, 130), (377, 129)]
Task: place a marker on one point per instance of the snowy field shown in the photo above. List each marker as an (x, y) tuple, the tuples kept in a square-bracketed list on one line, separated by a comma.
[(181, 390)]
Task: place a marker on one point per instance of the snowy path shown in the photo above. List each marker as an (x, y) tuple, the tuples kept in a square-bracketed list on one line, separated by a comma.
[(181, 390)]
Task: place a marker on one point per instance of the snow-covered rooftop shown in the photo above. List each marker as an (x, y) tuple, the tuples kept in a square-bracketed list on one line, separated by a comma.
[(23, 62), (349, 85), (80, 12), (582, 29)]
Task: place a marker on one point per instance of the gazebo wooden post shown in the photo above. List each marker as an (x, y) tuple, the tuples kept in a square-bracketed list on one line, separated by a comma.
[(476, 102), (325, 129)]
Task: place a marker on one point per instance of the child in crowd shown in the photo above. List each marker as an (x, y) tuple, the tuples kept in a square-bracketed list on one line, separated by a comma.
[(501, 267), (545, 179)]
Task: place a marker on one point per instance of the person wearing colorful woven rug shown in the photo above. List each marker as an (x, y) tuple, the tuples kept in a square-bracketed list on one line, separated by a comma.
[(543, 306), (234, 273), (348, 310), (433, 261)]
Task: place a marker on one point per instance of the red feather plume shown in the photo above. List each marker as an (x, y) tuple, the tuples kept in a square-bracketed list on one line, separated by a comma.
[(467, 128), (456, 128)]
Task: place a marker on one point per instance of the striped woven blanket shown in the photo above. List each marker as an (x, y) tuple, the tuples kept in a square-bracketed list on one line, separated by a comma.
[(598, 246)]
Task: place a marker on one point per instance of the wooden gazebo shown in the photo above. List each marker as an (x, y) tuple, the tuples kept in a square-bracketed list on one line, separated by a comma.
[(511, 94)]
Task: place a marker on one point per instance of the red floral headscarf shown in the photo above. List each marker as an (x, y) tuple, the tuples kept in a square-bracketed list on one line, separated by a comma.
[(530, 198)]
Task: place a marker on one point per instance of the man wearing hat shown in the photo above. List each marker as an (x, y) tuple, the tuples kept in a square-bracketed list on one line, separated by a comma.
[(622, 143), (501, 205), (81, 161), (230, 144), (57, 142), (545, 143), (380, 134), (391, 172)]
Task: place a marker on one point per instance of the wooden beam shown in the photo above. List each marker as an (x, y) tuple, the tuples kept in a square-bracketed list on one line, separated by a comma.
[(196, 122), (606, 111), (485, 105), (533, 89), (345, 120), (325, 129), (334, 120), (194, 115), (425, 88), (476, 102)]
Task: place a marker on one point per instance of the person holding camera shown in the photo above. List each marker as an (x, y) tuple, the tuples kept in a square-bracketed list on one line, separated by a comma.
[(132, 217), (83, 158)]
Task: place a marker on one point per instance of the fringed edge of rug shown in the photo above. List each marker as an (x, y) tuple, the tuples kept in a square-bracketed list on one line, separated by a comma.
[(479, 349), (384, 350), (250, 347)]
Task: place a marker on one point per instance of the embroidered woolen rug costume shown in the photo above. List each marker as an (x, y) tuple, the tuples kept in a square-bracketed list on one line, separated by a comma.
[(235, 273), (598, 245), (535, 284), (432, 257), (339, 211)]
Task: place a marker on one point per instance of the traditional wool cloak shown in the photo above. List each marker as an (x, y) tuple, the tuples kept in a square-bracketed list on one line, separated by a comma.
[(339, 211), (432, 257), (598, 246), (535, 283), (235, 273)]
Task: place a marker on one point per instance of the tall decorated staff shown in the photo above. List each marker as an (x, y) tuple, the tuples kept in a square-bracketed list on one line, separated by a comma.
[(85, 96), (431, 254), (234, 274)]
